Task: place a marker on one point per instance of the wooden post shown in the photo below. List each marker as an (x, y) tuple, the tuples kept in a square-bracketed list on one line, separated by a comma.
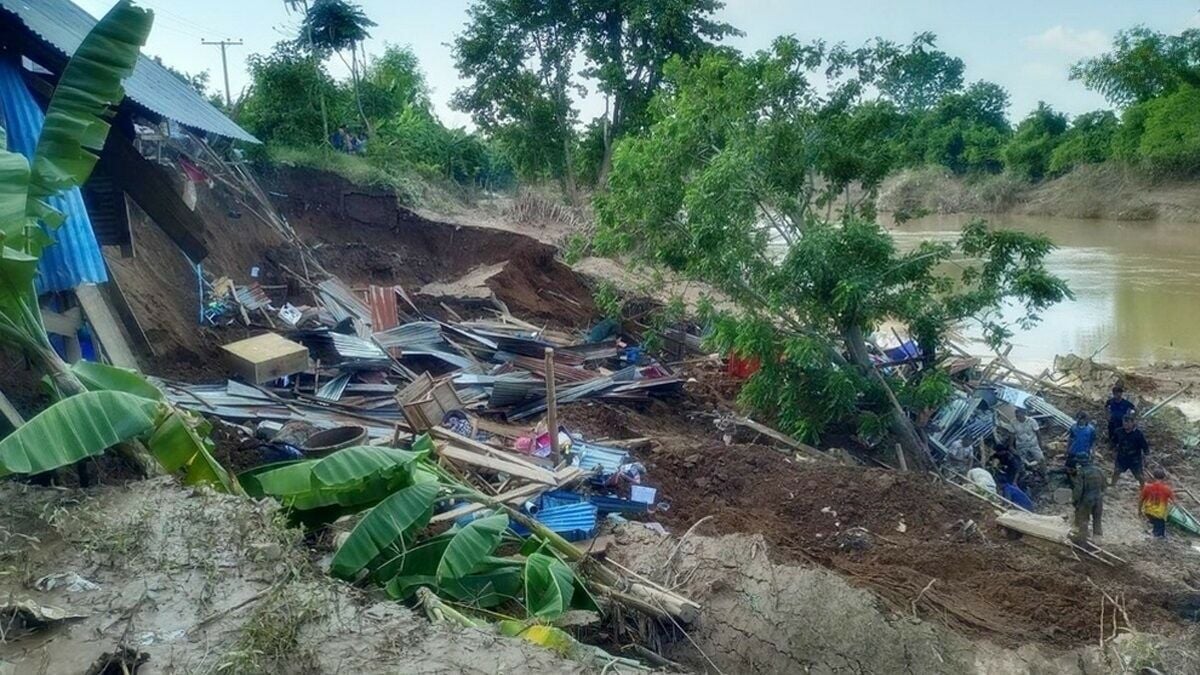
[(551, 407), (900, 458)]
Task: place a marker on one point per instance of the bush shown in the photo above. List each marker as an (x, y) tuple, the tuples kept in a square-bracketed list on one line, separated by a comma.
[(1171, 140), (283, 104), (1027, 154), (1128, 135), (1088, 141)]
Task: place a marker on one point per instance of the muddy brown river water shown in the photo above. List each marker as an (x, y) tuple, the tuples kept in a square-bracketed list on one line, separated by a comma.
[(1136, 285)]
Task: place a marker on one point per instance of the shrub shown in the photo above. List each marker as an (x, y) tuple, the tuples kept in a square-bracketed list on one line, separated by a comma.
[(1088, 141), (1171, 140), (1027, 154)]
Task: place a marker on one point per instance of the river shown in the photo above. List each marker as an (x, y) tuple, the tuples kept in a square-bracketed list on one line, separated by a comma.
[(1136, 285)]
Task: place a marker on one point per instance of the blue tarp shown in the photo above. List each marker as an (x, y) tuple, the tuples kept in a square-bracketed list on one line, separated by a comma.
[(75, 256)]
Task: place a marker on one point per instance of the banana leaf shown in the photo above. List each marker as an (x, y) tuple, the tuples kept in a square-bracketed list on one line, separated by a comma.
[(549, 586), (248, 479), (470, 545), (418, 560), (177, 445), (76, 428), (555, 639), (103, 377), (1180, 517), (355, 464), (14, 190), (75, 126), (392, 519), (486, 589)]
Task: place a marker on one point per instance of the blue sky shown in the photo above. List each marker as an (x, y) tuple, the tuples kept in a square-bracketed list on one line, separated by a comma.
[(1025, 45)]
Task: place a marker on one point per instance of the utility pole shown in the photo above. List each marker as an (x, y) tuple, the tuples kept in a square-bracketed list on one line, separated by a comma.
[(224, 63)]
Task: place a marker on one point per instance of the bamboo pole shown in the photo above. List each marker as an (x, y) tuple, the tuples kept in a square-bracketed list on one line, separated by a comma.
[(552, 408)]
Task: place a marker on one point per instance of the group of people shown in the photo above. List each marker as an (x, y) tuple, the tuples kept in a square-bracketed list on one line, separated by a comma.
[(1130, 450), (1014, 458), (346, 141)]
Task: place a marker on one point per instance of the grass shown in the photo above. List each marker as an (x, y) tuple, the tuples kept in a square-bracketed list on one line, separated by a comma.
[(270, 640)]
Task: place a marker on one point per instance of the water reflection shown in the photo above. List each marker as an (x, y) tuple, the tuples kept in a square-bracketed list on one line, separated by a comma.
[(1137, 288)]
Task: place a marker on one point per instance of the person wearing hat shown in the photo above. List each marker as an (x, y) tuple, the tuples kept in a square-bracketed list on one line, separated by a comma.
[(1129, 450), (1118, 408), (1087, 495)]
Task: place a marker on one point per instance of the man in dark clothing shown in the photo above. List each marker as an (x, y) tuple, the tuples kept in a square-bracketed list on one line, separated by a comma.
[(1129, 450), (1119, 408), (1005, 464), (1087, 494)]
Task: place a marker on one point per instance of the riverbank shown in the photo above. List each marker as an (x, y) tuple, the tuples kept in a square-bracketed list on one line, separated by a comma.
[(1097, 192)]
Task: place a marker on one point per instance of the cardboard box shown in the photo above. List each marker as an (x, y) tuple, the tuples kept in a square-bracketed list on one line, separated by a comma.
[(266, 357)]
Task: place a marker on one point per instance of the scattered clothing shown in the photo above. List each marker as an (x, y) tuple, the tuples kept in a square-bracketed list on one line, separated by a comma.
[(1025, 440), (1087, 494), (1080, 440), (1016, 495), (1156, 500), (982, 479)]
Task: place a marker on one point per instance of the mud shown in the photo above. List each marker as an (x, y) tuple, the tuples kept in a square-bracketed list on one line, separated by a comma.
[(210, 583)]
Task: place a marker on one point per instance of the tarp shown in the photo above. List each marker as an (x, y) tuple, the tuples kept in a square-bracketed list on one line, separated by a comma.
[(75, 256)]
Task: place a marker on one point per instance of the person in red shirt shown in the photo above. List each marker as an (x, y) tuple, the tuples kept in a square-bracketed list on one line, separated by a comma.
[(1156, 501)]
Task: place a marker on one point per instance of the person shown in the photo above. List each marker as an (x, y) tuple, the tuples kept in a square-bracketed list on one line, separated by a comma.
[(1081, 437), (1155, 502), (340, 139), (1087, 496), (1129, 450), (1025, 438), (1005, 464), (1119, 408)]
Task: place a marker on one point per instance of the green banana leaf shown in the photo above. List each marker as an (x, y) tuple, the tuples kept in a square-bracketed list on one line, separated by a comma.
[(352, 465), (76, 428), (14, 190), (103, 377), (470, 545), (418, 560), (392, 519), (177, 445), (486, 589), (549, 586), (75, 126)]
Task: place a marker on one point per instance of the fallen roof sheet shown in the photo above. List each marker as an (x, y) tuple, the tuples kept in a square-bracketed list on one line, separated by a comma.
[(63, 24)]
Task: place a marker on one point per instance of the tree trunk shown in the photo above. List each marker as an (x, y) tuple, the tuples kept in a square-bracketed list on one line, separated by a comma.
[(900, 424), (568, 165), (357, 93)]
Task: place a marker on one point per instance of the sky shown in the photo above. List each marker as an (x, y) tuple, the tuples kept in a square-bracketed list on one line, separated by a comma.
[(1024, 45)]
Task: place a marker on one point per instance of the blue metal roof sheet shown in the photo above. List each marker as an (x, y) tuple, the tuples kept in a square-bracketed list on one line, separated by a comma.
[(64, 24)]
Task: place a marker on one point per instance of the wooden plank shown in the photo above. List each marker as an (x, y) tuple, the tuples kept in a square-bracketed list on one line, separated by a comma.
[(445, 434), (484, 461), (65, 323), (112, 290), (106, 327), (153, 190), (516, 496)]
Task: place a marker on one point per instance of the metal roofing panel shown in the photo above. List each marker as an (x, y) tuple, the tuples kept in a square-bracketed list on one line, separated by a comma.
[(63, 24)]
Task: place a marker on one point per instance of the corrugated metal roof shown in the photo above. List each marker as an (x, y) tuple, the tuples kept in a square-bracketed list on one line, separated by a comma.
[(64, 25)]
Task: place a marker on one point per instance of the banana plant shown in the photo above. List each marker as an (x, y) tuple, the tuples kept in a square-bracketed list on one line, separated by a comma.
[(101, 406), (392, 545)]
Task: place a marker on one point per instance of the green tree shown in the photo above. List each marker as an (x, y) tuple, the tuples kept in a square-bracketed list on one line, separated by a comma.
[(915, 77), (725, 187), (627, 42), (337, 26), (283, 101), (518, 56), (1143, 64), (1028, 152), (1128, 136), (1088, 141), (393, 82), (964, 132), (1170, 142)]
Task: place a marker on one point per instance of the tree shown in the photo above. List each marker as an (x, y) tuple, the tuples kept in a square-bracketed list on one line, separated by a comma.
[(725, 187), (964, 132), (627, 42), (916, 77), (1028, 151), (518, 56), (1143, 64), (1088, 141), (284, 100), (336, 26), (1170, 141), (392, 83)]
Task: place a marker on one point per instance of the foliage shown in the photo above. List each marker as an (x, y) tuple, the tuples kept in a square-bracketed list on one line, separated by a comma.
[(965, 132), (393, 83), (726, 187), (1170, 142), (335, 25), (198, 82), (1088, 141), (1128, 137), (916, 77), (282, 104), (1028, 152), (1143, 65)]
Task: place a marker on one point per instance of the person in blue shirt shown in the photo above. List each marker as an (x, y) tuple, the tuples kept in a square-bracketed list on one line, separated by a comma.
[(1081, 437), (1119, 408)]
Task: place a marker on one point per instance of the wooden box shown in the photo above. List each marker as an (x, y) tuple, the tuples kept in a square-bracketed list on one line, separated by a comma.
[(426, 401), (266, 357)]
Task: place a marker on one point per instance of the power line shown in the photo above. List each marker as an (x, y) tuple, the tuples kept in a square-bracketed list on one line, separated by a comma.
[(224, 62)]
